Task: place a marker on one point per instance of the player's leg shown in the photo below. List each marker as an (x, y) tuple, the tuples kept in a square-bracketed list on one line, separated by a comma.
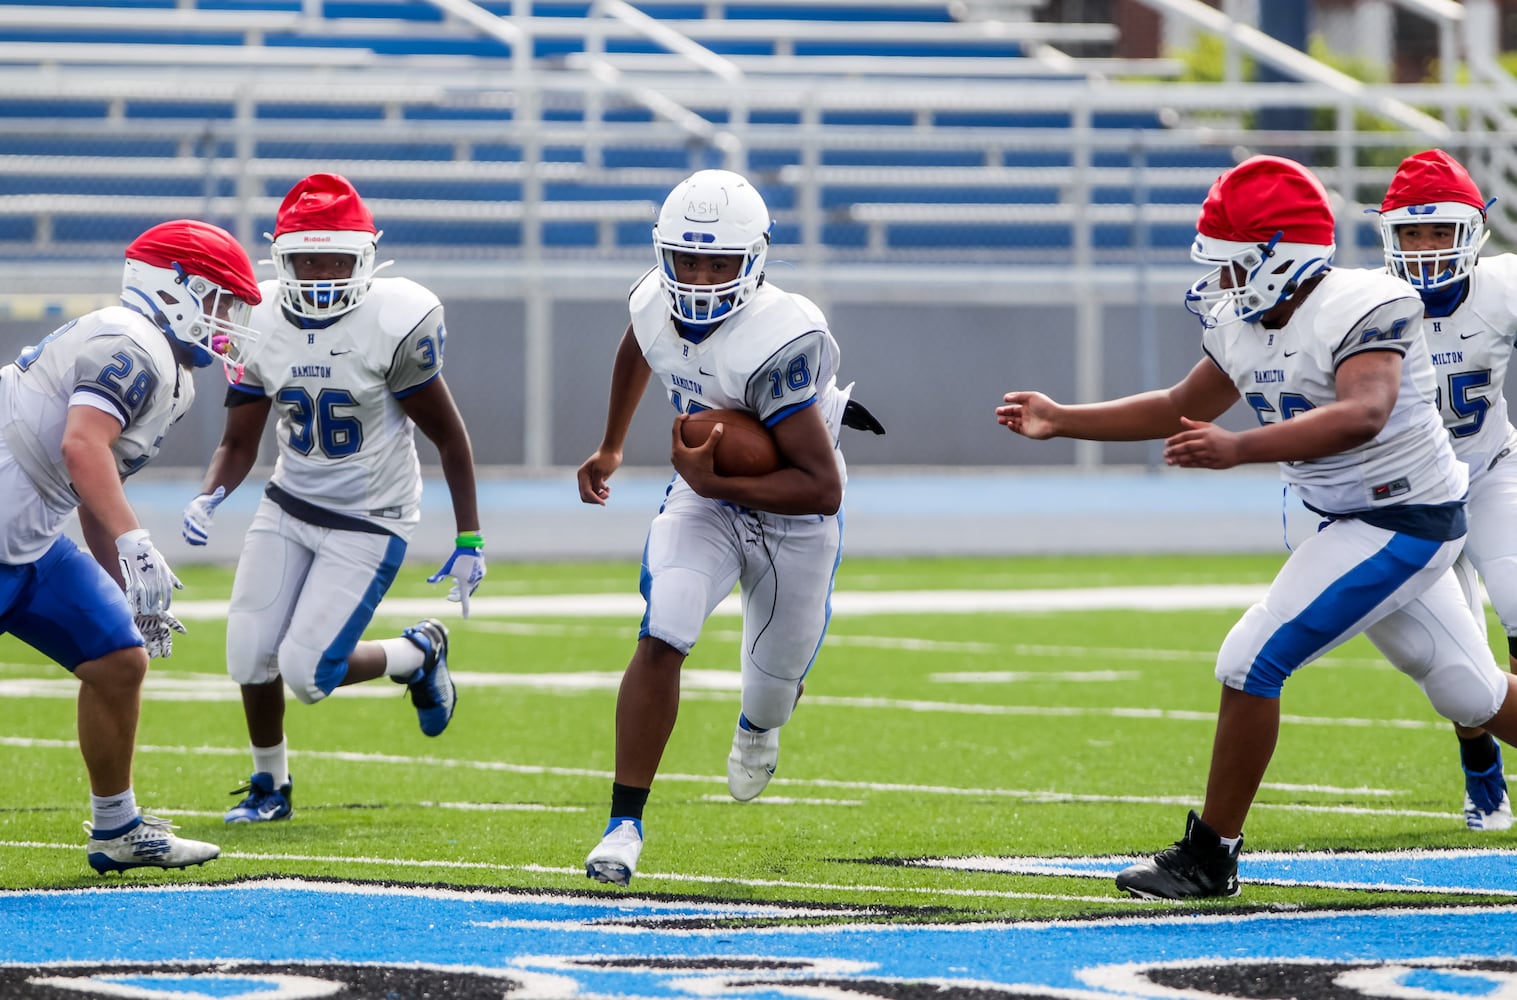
[(689, 565), (788, 571), (1436, 641), (1335, 585), (1490, 548), (271, 570), (45, 603)]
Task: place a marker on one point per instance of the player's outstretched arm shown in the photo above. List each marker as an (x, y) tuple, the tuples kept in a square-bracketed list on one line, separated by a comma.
[(230, 463), (630, 375), (1204, 394)]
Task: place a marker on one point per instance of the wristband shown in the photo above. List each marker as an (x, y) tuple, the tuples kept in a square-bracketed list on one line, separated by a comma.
[(469, 540)]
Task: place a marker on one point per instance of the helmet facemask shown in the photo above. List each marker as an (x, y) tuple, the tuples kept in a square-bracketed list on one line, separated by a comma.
[(1263, 275), (1426, 270), (192, 311), (324, 298), (712, 212)]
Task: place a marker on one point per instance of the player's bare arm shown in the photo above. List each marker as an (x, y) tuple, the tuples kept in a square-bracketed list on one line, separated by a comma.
[(238, 451), (808, 483), (87, 439), (433, 411), (1367, 385), (630, 375), (1204, 394)]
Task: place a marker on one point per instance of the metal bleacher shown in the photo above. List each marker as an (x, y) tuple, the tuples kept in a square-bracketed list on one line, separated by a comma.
[(555, 129)]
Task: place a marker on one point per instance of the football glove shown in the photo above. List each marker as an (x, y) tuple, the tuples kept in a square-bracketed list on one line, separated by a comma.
[(158, 634), (145, 574), (857, 416), (466, 567), (198, 514)]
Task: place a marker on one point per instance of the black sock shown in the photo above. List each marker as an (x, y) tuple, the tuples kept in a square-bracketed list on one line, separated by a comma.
[(627, 801), (1478, 753)]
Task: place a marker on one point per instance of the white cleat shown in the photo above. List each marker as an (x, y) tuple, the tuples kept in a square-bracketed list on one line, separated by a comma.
[(752, 761), (614, 859), (149, 844), (1490, 822)]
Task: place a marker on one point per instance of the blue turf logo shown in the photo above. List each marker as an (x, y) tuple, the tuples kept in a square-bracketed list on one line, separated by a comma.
[(288, 939)]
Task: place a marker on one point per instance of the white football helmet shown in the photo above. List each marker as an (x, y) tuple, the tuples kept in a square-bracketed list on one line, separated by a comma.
[(712, 212), (196, 283), (1429, 269)]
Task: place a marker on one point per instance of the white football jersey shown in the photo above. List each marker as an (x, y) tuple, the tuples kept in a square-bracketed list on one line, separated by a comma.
[(1281, 373), (113, 359), (345, 444), (770, 358), (1470, 352)]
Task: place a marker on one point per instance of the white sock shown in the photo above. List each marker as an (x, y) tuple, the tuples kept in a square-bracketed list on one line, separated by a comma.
[(1231, 843), (274, 761), (110, 812), (402, 656)]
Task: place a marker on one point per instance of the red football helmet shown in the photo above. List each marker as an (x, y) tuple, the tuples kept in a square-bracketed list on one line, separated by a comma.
[(194, 281), (1269, 221), (1432, 188), (324, 214)]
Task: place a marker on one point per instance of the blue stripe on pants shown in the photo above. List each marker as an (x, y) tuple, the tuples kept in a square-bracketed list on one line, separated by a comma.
[(1342, 603)]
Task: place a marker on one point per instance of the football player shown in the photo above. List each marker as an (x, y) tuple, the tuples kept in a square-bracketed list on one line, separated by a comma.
[(1334, 365), (82, 410), (717, 335), (1432, 223), (352, 364)]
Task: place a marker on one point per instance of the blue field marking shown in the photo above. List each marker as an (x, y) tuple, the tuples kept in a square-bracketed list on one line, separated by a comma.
[(284, 939), (1490, 872)]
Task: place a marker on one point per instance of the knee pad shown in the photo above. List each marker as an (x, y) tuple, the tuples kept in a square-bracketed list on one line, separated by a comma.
[(247, 662), (1465, 693), (1248, 661), (768, 702), (678, 602), (309, 673)]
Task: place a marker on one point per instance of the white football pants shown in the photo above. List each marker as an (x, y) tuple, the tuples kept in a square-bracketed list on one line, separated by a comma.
[(1398, 590), (301, 599), (697, 549)]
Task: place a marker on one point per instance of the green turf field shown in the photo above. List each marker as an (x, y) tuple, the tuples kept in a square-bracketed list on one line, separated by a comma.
[(920, 735)]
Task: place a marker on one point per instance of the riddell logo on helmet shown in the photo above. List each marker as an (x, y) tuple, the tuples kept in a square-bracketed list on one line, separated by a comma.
[(316, 239)]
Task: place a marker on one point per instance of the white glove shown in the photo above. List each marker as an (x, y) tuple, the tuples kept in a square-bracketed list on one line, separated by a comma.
[(158, 634), (145, 574), (198, 514), (466, 566)]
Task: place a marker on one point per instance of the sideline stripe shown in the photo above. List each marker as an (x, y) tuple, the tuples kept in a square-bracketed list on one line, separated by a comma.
[(844, 603), (642, 876), (1020, 794)]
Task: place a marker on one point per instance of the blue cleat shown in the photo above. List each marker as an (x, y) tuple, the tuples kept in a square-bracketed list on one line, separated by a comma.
[(1486, 806), (431, 687), (264, 802)]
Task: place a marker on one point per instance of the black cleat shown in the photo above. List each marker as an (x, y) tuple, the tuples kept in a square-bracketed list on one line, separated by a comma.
[(1196, 867)]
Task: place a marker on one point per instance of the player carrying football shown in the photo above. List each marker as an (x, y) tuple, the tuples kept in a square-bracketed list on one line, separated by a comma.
[(718, 336)]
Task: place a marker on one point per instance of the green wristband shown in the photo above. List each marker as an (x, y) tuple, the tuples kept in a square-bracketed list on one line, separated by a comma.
[(469, 540)]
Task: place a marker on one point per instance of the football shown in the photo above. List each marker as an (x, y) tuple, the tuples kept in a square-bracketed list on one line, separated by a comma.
[(746, 447)]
